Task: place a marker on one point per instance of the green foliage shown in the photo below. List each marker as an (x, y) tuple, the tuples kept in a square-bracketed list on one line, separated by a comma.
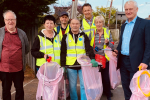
[(27, 11), (105, 13)]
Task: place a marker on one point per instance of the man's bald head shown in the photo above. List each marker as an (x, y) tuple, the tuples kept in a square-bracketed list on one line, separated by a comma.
[(75, 20), (75, 25)]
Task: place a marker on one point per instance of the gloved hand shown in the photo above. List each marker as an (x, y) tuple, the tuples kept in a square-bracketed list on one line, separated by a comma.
[(94, 63)]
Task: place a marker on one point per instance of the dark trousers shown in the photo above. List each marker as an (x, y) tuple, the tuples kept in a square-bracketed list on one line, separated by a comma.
[(106, 80), (17, 78), (126, 75)]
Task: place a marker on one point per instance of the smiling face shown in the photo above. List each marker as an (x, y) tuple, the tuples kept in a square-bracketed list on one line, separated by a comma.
[(10, 21), (75, 25), (99, 24), (130, 11), (49, 25), (64, 19), (87, 11)]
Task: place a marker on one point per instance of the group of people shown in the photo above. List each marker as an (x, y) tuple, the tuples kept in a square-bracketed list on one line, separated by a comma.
[(67, 41)]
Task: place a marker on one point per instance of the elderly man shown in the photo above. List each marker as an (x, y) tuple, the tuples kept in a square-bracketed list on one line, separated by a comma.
[(75, 43), (64, 27), (13, 47), (134, 46), (88, 25)]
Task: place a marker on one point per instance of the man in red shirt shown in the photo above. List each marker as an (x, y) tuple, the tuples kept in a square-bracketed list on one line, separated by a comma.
[(13, 47)]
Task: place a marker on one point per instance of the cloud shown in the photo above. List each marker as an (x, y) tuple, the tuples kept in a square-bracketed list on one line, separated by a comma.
[(141, 5), (81, 2)]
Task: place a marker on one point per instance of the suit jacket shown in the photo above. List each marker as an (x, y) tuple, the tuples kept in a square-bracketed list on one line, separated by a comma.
[(139, 47)]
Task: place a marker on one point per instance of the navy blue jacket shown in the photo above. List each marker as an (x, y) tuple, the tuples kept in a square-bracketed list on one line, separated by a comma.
[(139, 47)]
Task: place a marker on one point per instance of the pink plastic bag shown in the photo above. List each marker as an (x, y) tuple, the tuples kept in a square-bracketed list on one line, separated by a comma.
[(144, 84), (114, 74), (91, 77), (61, 89), (53, 75)]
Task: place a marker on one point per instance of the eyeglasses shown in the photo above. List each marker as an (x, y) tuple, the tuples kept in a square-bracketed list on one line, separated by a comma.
[(10, 20)]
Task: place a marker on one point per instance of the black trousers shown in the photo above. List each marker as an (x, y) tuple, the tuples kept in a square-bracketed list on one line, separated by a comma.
[(17, 78), (126, 75), (106, 80)]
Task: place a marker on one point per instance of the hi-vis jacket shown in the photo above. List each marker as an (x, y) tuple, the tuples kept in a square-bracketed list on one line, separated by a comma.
[(88, 29), (59, 31), (43, 45), (73, 45), (106, 36), (74, 49)]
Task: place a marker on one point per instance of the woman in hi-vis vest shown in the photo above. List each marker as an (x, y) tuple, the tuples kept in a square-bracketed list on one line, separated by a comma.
[(102, 38), (46, 43)]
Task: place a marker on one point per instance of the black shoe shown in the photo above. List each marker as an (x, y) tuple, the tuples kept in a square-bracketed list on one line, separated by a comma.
[(108, 98)]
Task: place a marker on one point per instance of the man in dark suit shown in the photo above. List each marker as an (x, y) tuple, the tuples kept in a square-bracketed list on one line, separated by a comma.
[(134, 46)]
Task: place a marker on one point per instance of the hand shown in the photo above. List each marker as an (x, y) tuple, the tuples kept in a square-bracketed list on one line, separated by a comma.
[(94, 63), (115, 53), (106, 41), (144, 66), (45, 56)]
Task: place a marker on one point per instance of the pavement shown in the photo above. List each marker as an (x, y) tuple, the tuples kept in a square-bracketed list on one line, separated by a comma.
[(30, 88)]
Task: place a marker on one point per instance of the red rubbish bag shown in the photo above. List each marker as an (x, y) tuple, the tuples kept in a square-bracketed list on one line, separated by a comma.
[(101, 59)]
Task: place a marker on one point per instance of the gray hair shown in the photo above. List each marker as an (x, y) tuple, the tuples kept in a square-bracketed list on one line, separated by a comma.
[(7, 11), (100, 17), (75, 19), (133, 1)]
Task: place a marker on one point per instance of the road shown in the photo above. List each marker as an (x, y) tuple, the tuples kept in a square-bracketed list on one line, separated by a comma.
[(30, 88)]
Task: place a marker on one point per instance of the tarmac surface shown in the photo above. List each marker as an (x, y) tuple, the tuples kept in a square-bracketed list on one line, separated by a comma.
[(30, 88)]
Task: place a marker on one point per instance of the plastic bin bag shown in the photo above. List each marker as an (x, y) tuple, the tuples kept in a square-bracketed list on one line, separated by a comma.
[(144, 83), (53, 75), (91, 77), (114, 74)]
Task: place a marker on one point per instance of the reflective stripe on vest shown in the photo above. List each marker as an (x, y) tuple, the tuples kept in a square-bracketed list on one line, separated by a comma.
[(54, 51), (106, 35), (60, 35), (89, 30), (74, 49)]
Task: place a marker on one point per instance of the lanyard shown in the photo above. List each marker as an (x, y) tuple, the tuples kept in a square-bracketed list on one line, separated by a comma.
[(99, 39)]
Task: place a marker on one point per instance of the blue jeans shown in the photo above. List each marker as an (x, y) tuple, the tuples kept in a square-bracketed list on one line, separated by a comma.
[(72, 75)]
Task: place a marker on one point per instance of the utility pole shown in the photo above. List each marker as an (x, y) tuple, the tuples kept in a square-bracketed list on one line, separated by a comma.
[(85, 1), (110, 12), (106, 9), (74, 9)]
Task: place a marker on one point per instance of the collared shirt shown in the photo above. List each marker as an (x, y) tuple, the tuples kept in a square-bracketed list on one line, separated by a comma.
[(127, 36), (63, 30), (11, 57), (89, 21)]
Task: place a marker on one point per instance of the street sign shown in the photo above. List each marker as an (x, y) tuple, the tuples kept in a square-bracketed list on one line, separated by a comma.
[(120, 16)]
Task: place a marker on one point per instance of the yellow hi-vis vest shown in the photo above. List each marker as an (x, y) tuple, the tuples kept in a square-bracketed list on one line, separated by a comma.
[(106, 36), (60, 31), (74, 49), (87, 29), (52, 49)]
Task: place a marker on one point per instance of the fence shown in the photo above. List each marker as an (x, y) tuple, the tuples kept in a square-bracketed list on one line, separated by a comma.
[(31, 34)]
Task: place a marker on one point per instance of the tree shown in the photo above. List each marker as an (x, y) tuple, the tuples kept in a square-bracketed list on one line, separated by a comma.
[(105, 13), (27, 11)]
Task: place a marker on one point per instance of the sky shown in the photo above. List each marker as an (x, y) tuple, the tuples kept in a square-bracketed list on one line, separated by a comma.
[(143, 5)]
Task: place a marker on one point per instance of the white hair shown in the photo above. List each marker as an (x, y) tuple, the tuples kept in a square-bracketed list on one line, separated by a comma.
[(7, 11), (133, 1), (101, 18)]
